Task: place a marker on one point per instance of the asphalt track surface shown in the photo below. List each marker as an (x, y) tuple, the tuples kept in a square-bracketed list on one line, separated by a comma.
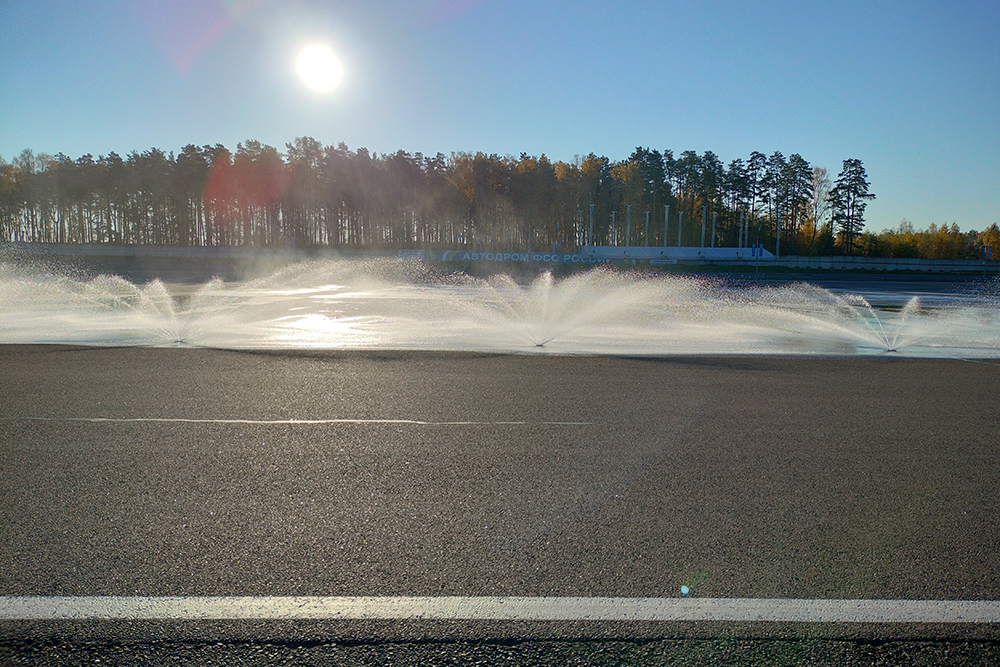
[(190, 472)]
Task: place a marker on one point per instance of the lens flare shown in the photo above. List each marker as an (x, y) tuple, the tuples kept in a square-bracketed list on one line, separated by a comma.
[(319, 68)]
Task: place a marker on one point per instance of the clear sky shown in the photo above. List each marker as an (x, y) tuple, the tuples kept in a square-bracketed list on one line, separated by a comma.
[(910, 88)]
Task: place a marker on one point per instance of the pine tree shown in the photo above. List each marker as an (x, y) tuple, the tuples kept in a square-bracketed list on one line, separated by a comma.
[(848, 200)]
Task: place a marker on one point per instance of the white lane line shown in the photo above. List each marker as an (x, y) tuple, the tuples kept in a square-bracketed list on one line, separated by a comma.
[(181, 420), (34, 608)]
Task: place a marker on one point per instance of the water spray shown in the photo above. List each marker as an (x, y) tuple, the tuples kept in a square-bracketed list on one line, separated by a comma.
[(341, 304)]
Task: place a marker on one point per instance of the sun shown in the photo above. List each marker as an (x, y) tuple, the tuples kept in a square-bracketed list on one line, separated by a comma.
[(319, 68)]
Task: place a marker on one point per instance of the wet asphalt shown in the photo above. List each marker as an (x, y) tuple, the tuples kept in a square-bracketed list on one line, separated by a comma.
[(219, 473)]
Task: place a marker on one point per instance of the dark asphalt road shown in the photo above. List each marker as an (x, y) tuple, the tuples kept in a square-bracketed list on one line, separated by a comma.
[(743, 477)]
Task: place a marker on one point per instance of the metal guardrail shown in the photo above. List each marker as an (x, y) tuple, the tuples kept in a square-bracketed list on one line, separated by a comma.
[(889, 264), (989, 266)]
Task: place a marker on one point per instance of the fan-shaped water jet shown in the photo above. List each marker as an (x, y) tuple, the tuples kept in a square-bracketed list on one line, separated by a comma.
[(407, 305)]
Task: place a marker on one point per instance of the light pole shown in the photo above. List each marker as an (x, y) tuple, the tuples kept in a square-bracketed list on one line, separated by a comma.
[(628, 225), (652, 206), (591, 224), (777, 243), (704, 212), (666, 216)]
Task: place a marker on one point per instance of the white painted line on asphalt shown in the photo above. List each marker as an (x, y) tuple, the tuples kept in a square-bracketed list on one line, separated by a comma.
[(36, 608), (269, 422)]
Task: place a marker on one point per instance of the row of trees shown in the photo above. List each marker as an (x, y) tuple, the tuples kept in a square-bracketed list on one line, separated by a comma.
[(316, 195), (936, 242)]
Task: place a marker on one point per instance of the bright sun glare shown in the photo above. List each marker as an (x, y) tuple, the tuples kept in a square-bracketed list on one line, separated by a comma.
[(319, 68)]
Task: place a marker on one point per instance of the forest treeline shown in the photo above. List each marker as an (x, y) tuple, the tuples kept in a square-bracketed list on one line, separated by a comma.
[(314, 196)]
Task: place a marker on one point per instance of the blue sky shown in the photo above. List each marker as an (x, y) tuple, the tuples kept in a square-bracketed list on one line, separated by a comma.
[(910, 88)]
